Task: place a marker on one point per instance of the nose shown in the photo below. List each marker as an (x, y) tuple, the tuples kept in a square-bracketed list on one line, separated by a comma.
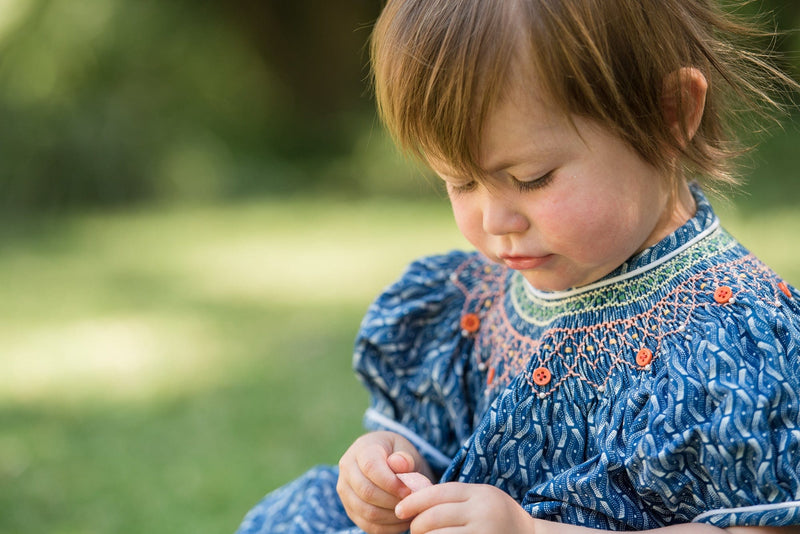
[(502, 214)]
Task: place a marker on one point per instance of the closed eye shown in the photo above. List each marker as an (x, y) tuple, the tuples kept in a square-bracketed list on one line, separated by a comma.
[(532, 185), (460, 189)]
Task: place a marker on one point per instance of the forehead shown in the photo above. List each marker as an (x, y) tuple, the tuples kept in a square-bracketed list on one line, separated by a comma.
[(524, 124)]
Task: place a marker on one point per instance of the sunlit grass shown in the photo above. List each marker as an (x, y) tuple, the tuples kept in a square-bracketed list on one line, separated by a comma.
[(161, 369), (119, 303)]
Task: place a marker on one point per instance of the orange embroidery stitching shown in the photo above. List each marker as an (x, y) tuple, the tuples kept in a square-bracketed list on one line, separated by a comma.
[(600, 349)]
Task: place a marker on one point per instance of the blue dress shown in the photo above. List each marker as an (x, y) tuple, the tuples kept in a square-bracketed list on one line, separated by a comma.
[(667, 392)]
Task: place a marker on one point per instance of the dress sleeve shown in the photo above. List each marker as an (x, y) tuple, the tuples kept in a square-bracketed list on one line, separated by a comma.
[(411, 357), (721, 441)]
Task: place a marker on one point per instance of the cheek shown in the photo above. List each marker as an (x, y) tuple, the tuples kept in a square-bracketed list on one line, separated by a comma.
[(468, 219), (587, 226), (569, 217)]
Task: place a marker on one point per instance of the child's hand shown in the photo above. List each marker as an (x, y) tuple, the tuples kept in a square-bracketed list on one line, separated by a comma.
[(414, 481), (465, 508), (368, 485)]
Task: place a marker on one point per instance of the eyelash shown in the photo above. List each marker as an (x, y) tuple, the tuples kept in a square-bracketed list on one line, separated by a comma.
[(523, 187), (533, 185), (462, 188)]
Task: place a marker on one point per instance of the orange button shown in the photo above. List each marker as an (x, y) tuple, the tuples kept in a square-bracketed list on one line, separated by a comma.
[(470, 322), (490, 376), (783, 287), (723, 294), (644, 357), (541, 376)]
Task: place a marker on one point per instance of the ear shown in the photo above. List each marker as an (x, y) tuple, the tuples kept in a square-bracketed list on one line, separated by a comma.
[(683, 101)]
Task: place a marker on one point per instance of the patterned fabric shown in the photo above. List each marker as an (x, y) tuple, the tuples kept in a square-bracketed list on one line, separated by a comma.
[(309, 504), (665, 393)]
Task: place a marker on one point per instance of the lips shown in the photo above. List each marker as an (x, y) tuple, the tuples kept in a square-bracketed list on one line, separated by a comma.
[(524, 263)]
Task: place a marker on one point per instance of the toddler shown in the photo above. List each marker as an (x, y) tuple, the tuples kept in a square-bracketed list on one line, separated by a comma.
[(610, 357)]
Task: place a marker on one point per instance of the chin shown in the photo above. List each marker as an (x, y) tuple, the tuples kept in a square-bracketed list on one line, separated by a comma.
[(543, 284)]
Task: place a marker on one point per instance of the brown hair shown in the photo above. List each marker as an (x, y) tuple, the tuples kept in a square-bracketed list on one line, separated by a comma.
[(439, 66)]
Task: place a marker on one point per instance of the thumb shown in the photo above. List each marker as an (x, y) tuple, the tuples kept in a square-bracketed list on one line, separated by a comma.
[(414, 481), (401, 462)]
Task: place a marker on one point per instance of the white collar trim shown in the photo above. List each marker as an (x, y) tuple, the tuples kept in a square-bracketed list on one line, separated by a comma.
[(746, 509), (555, 295)]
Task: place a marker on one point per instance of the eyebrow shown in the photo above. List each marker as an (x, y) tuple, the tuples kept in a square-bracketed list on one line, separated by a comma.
[(528, 157), (529, 154), (502, 165)]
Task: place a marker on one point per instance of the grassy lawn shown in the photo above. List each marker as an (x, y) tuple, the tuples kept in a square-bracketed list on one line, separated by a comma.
[(161, 369)]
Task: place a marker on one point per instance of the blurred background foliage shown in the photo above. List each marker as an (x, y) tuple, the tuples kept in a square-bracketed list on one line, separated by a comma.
[(108, 102)]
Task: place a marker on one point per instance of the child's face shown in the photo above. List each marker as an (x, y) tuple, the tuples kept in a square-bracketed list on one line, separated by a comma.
[(564, 206)]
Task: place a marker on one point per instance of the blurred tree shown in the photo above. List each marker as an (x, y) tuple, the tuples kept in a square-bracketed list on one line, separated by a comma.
[(113, 101), (316, 47), (317, 50)]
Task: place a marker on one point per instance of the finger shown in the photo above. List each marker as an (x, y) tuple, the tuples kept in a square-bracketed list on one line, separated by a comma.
[(367, 516), (404, 461), (414, 481), (367, 491), (400, 462), (375, 468), (447, 530), (422, 500), (440, 518)]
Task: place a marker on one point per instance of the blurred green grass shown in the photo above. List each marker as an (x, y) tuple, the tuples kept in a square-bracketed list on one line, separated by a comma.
[(162, 368)]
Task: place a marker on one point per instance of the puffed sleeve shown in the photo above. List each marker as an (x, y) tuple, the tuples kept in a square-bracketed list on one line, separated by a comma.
[(411, 356), (719, 441)]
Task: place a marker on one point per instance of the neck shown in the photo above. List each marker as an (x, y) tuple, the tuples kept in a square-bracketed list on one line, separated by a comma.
[(680, 208)]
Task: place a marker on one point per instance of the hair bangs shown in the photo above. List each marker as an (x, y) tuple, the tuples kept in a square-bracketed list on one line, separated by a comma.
[(437, 72)]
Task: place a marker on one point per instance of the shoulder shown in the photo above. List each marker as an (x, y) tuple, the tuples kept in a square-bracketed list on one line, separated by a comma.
[(741, 301), (429, 288), (416, 321), (735, 315), (731, 382), (727, 333)]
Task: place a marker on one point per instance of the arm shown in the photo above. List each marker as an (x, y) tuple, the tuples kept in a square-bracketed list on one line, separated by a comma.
[(411, 356), (477, 508)]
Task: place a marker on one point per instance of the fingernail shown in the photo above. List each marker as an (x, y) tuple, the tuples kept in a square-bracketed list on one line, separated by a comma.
[(398, 511)]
